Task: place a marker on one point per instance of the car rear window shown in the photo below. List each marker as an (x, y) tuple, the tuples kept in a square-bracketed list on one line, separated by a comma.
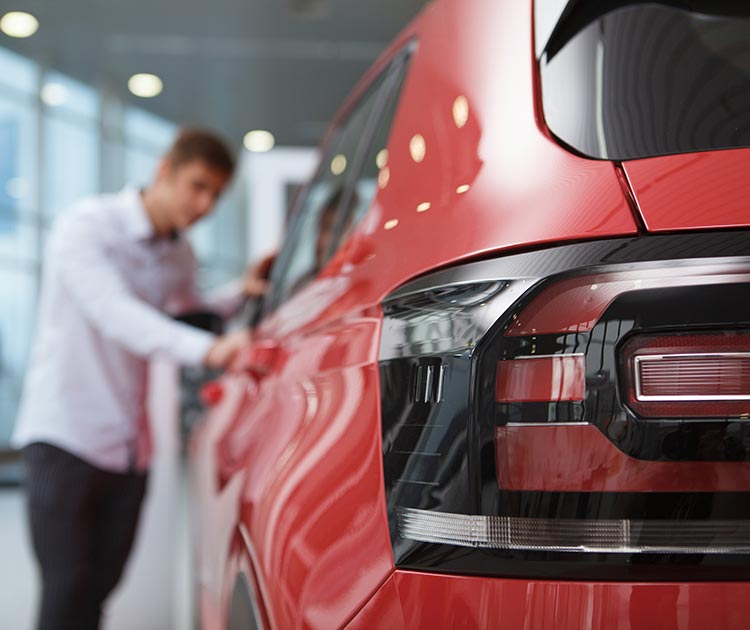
[(624, 80)]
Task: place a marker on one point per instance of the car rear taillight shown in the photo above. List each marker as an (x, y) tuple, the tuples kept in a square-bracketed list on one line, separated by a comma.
[(576, 412), (688, 375)]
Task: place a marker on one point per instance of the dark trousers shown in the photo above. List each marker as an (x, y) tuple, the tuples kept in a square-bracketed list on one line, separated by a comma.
[(83, 521)]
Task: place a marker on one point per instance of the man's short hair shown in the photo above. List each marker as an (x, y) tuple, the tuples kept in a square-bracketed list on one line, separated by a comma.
[(201, 144)]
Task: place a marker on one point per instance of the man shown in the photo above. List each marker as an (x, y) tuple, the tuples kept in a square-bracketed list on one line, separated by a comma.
[(115, 265)]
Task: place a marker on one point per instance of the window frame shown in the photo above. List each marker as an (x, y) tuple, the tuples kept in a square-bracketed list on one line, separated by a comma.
[(392, 76)]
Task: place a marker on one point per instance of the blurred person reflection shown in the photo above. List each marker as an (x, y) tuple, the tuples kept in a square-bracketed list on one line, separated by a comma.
[(329, 217), (116, 267)]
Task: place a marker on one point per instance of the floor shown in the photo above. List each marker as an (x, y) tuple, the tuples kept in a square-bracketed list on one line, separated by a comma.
[(156, 591)]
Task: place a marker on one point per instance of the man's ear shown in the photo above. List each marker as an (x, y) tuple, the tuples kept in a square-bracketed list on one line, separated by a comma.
[(163, 169)]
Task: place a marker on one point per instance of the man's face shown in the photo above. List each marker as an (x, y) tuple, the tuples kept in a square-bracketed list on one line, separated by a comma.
[(190, 191)]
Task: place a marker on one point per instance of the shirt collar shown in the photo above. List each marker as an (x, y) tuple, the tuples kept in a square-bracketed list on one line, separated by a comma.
[(137, 222)]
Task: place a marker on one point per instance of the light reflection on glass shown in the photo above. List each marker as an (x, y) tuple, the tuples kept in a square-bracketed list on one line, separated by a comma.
[(381, 159), (338, 164)]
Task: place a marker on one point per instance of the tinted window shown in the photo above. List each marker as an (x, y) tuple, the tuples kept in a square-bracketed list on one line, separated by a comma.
[(364, 180), (342, 188), (624, 80)]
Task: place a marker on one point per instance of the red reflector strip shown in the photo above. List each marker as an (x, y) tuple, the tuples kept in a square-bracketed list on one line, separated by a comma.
[(555, 378), (693, 377), (689, 375)]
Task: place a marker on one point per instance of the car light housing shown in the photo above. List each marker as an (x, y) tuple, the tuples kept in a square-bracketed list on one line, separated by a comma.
[(580, 411)]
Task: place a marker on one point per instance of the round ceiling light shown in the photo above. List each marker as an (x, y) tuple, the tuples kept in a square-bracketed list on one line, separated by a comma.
[(19, 24), (259, 141), (54, 94), (145, 85)]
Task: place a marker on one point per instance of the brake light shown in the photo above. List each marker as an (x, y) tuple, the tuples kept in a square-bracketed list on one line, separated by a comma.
[(688, 375), (548, 450), (553, 378)]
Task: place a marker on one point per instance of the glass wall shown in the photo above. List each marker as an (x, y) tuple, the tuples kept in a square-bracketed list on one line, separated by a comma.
[(19, 226), (61, 140)]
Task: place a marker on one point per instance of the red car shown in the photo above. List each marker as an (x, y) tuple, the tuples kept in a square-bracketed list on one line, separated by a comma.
[(503, 376)]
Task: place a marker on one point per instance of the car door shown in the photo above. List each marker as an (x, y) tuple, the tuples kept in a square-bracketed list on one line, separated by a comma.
[(290, 468)]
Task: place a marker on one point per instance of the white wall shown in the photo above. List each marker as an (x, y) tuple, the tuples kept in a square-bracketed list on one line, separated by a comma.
[(267, 176)]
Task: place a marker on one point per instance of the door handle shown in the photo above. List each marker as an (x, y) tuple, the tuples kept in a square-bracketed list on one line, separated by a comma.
[(260, 359), (211, 393)]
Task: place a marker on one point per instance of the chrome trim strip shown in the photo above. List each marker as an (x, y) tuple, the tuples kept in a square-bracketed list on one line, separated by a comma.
[(547, 356), (545, 424)]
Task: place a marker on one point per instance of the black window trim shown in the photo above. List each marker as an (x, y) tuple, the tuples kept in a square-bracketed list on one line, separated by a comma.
[(390, 74)]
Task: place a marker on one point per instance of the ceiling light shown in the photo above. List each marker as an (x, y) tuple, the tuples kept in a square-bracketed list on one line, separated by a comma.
[(54, 94), (259, 141), (338, 164), (19, 24), (145, 85)]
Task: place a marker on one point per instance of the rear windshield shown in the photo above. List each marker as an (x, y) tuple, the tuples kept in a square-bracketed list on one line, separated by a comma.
[(624, 80)]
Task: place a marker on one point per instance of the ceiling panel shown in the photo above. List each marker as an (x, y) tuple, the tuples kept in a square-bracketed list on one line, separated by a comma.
[(235, 65)]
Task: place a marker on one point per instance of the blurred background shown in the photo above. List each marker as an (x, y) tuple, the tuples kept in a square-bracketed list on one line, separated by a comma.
[(91, 94)]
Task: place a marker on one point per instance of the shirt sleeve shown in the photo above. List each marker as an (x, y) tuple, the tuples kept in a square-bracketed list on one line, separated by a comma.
[(225, 300), (97, 286)]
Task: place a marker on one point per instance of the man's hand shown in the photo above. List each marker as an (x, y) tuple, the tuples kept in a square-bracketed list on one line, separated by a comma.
[(225, 349), (255, 283)]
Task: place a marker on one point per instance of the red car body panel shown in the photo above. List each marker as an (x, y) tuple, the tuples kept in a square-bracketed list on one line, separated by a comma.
[(504, 206), (418, 600), (693, 190), (288, 469)]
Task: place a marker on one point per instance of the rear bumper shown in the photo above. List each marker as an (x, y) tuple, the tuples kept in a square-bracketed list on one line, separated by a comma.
[(419, 600)]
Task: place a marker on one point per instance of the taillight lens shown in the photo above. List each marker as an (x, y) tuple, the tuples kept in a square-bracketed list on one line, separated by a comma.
[(589, 422), (551, 379), (688, 375)]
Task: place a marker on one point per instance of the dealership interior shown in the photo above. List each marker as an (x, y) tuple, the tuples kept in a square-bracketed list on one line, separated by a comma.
[(91, 95)]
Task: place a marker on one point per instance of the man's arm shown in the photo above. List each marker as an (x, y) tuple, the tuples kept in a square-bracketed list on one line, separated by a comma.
[(102, 294), (227, 299)]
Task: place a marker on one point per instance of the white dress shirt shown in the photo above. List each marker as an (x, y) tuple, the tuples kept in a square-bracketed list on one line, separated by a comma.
[(107, 285)]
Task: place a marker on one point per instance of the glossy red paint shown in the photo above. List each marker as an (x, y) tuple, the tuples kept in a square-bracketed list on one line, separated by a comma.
[(692, 191), (580, 458), (382, 611), (497, 158), (441, 601)]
